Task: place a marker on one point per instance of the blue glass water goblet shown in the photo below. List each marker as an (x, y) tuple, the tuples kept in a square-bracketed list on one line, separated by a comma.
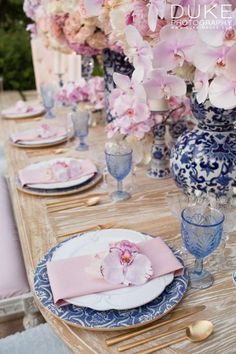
[(201, 230), (48, 97), (119, 163), (80, 121)]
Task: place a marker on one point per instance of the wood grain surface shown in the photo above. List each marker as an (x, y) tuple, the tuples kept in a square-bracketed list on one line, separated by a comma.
[(40, 228)]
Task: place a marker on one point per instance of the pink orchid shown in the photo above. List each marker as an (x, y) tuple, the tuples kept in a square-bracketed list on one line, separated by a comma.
[(46, 131), (224, 33), (63, 171), (156, 9), (139, 52), (23, 107), (129, 86), (176, 47), (222, 93), (211, 60), (163, 85), (125, 265), (201, 85)]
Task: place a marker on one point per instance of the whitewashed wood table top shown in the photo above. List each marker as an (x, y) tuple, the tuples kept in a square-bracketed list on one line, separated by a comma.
[(147, 211)]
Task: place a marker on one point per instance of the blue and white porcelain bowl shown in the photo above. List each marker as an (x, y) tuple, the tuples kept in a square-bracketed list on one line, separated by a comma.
[(205, 158)]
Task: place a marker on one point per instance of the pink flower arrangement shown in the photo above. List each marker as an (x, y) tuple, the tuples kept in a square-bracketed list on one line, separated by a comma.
[(91, 91), (126, 265)]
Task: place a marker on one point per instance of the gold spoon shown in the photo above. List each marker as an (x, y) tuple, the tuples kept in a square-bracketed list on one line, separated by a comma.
[(92, 201), (195, 332)]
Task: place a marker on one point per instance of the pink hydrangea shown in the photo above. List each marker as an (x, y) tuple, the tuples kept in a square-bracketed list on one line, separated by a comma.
[(126, 265)]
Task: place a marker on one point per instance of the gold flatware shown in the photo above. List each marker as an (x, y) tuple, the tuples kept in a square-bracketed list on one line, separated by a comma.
[(169, 330), (88, 203), (174, 316), (198, 331), (74, 199), (92, 228)]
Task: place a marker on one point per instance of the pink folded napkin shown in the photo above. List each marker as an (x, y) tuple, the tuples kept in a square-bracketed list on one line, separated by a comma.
[(72, 277), (57, 171), (41, 133)]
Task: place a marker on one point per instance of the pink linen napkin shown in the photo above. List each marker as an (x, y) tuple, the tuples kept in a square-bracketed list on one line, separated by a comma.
[(72, 277), (41, 133), (59, 171), (21, 107)]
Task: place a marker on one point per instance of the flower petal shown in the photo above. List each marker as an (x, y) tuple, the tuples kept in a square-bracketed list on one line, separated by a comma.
[(112, 269), (222, 93), (140, 271)]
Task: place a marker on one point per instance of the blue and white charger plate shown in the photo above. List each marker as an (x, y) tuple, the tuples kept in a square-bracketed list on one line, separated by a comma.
[(90, 319)]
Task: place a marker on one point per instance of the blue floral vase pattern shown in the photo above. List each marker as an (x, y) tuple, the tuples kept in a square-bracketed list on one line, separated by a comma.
[(113, 62), (160, 165), (204, 158)]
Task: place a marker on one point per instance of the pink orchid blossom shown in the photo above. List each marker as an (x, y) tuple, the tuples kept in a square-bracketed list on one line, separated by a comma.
[(46, 131), (126, 265), (201, 85), (23, 107), (175, 47), (156, 9), (211, 60), (139, 52), (63, 171), (163, 85), (129, 86), (222, 93), (224, 33)]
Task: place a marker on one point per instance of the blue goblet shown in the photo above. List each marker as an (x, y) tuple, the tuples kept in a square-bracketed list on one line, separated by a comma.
[(48, 97), (119, 163), (80, 121), (201, 230)]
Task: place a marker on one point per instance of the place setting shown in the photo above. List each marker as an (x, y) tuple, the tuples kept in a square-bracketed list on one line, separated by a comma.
[(44, 135), (58, 177), (23, 110)]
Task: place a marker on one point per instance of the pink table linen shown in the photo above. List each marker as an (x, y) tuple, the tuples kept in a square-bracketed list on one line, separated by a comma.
[(35, 135), (44, 174), (72, 277)]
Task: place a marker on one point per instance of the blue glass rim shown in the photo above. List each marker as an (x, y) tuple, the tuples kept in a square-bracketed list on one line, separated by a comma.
[(206, 225), (127, 153)]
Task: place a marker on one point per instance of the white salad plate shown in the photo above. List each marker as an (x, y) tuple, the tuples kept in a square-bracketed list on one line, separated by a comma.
[(120, 299), (11, 113)]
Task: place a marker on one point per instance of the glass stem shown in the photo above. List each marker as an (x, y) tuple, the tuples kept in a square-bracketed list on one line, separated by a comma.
[(119, 186), (82, 141), (198, 266)]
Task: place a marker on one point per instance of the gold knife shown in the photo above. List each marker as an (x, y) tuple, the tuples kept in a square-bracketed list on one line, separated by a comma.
[(176, 315)]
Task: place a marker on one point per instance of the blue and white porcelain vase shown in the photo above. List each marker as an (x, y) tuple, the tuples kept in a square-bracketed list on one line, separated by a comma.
[(204, 158), (160, 164), (176, 129), (113, 62)]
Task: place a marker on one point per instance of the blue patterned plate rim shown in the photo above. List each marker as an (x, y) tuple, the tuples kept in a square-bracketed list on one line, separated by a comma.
[(110, 320)]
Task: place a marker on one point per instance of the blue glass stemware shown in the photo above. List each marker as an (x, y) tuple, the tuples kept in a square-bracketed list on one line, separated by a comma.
[(119, 163), (80, 121), (201, 230), (48, 97)]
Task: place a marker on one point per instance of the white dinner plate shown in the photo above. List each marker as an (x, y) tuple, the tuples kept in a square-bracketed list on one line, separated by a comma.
[(57, 185), (11, 114), (120, 299), (55, 139)]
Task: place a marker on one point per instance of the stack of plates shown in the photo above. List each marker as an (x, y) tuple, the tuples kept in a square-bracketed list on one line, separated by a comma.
[(116, 309), (59, 188)]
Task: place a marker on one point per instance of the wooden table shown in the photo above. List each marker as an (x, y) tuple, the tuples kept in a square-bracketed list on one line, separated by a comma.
[(146, 211)]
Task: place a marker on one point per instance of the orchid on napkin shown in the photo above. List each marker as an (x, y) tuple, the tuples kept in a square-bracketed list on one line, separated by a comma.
[(126, 265), (23, 107), (44, 131), (57, 170)]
